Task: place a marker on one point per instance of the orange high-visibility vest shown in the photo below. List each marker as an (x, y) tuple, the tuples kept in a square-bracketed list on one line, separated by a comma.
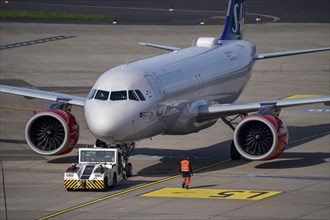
[(185, 165)]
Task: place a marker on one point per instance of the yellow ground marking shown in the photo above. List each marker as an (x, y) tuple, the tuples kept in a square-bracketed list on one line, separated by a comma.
[(309, 137), (213, 193), (298, 96), (125, 191), (160, 181)]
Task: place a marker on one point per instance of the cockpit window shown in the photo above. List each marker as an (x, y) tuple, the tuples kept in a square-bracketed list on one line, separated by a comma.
[(102, 95), (118, 95), (91, 94), (132, 95), (141, 96)]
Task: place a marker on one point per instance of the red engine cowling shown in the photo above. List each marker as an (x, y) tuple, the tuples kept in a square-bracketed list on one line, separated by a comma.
[(52, 132), (261, 137)]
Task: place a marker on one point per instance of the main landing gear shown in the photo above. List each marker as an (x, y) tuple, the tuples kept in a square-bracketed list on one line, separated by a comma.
[(126, 150), (234, 154)]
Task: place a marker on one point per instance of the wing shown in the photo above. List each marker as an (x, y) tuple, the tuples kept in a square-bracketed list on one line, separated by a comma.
[(223, 110), (164, 47), (39, 94), (287, 53)]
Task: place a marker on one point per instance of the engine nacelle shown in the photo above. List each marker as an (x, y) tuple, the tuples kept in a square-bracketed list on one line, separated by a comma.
[(52, 132), (261, 137)]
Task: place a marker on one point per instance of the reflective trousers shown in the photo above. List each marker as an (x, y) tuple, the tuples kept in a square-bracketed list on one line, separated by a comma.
[(186, 177)]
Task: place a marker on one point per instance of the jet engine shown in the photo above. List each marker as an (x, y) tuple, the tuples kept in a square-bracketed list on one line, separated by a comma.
[(261, 137), (52, 132)]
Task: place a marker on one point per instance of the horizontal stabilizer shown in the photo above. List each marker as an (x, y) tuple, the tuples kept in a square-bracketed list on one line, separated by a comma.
[(287, 53), (163, 47)]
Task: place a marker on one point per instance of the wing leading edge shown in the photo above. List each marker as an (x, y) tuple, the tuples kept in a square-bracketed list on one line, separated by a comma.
[(223, 110), (40, 94)]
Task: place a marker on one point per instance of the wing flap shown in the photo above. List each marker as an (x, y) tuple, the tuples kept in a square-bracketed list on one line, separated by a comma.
[(223, 110), (45, 95)]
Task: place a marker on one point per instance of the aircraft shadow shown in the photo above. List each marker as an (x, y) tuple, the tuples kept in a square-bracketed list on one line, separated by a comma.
[(221, 152), (300, 159), (201, 157)]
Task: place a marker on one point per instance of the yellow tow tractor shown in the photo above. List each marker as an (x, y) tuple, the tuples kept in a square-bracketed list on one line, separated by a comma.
[(97, 168)]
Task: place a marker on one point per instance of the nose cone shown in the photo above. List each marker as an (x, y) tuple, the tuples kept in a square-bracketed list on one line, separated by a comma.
[(104, 121)]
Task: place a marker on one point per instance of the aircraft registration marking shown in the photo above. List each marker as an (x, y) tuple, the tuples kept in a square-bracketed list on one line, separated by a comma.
[(213, 193)]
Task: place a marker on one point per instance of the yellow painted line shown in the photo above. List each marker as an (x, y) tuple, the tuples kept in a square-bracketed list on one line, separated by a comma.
[(125, 191), (167, 179), (297, 96), (213, 193), (309, 137)]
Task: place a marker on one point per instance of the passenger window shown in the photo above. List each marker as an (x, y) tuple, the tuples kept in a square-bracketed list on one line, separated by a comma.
[(91, 94), (141, 96), (102, 95), (132, 95), (118, 95)]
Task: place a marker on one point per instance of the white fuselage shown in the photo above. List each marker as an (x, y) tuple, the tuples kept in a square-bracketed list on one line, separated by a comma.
[(174, 86)]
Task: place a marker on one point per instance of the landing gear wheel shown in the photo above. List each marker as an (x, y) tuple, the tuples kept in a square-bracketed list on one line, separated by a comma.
[(234, 154), (100, 143), (105, 184), (129, 170), (114, 180)]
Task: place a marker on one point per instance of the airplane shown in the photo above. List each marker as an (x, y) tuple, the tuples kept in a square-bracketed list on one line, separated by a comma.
[(181, 92)]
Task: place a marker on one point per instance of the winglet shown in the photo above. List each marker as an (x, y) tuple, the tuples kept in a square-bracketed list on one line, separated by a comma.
[(233, 29)]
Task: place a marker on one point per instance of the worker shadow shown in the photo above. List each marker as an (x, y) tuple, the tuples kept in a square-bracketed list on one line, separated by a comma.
[(205, 186)]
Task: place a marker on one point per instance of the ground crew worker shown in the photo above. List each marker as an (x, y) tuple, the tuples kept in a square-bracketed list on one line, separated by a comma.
[(72, 167), (103, 167), (186, 171)]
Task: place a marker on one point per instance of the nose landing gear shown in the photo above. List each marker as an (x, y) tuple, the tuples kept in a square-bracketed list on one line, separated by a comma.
[(126, 151)]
